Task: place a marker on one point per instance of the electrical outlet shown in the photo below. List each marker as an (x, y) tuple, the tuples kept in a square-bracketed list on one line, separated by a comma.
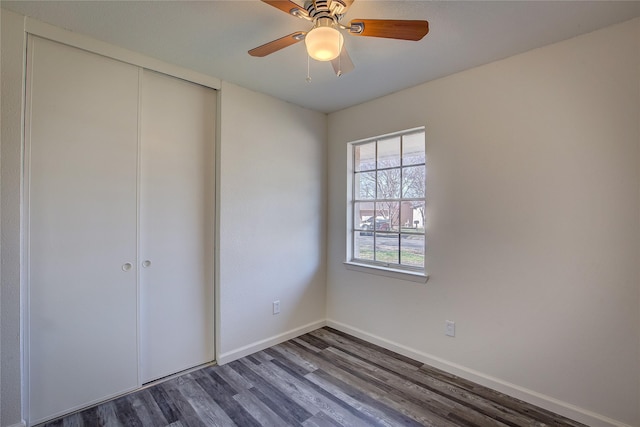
[(276, 307), (450, 328)]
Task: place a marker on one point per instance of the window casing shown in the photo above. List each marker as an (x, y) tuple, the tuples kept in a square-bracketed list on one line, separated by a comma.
[(387, 202)]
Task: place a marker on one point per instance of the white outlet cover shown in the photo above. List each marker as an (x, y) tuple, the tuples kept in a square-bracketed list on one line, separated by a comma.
[(450, 328)]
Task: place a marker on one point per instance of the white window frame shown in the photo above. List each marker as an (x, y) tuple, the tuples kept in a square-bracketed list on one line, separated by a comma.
[(414, 274)]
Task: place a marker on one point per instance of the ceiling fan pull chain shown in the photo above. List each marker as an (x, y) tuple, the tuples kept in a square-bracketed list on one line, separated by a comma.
[(308, 72), (339, 72)]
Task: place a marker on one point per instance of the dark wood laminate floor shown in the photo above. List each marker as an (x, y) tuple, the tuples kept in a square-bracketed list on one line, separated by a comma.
[(322, 379)]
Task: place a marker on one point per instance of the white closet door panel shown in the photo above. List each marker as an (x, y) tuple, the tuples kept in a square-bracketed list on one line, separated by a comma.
[(82, 136), (176, 219)]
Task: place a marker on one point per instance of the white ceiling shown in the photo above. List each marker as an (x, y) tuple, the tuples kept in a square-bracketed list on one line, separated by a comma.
[(213, 37)]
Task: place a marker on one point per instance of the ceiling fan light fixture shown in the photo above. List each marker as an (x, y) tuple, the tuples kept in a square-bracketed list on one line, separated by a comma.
[(324, 43)]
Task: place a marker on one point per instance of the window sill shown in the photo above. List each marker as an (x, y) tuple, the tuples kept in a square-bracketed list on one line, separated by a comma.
[(387, 272)]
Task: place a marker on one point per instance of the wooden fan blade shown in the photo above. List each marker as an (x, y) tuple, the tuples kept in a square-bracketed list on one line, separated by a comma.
[(276, 45), (389, 28), (287, 6), (342, 64)]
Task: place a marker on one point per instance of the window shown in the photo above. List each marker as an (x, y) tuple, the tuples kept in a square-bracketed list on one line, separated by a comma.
[(387, 202)]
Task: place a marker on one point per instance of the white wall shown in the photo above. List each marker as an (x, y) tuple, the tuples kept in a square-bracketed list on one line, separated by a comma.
[(533, 226), (11, 83), (272, 220)]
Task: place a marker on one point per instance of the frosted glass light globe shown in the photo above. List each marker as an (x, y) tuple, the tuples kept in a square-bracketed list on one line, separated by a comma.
[(324, 43)]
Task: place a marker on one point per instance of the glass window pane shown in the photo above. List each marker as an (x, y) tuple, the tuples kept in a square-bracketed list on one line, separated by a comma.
[(413, 182), (389, 152), (363, 215), (389, 184), (386, 215), (392, 209), (387, 248), (365, 156), (412, 250), (412, 216), (365, 185), (413, 149), (363, 245), (406, 216)]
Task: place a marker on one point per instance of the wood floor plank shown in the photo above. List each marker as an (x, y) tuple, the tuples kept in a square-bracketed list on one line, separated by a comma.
[(187, 414), (322, 420), (90, 417), (356, 340), (313, 341), (299, 386), (294, 358), (143, 411), (258, 410), (207, 409), (275, 399), (262, 356), (366, 402), (223, 394), (74, 420), (301, 396), (234, 379), (166, 405), (107, 415), (282, 409), (147, 409), (125, 412), (325, 378), (354, 410), (373, 352)]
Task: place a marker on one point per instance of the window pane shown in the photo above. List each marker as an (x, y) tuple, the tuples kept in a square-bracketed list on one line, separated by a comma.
[(412, 250), (386, 215), (412, 216), (413, 149), (394, 215), (413, 182), (387, 248), (363, 215), (365, 185), (389, 184), (365, 156), (389, 152), (363, 245)]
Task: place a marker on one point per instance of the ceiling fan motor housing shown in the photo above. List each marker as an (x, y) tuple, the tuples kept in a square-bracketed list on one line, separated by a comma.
[(321, 9)]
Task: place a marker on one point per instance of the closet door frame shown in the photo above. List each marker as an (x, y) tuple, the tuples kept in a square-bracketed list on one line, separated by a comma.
[(33, 27)]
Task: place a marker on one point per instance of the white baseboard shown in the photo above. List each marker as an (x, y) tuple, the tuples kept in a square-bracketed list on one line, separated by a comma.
[(546, 402), (230, 356), (20, 424)]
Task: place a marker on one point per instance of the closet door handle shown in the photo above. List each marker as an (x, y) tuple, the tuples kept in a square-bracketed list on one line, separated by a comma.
[(146, 263), (127, 266)]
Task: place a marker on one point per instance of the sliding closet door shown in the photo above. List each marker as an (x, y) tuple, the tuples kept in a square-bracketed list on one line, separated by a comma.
[(82, 163), (176, 219)]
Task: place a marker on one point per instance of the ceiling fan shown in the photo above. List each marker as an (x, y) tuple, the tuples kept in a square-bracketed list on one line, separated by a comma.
[(325, 42)]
